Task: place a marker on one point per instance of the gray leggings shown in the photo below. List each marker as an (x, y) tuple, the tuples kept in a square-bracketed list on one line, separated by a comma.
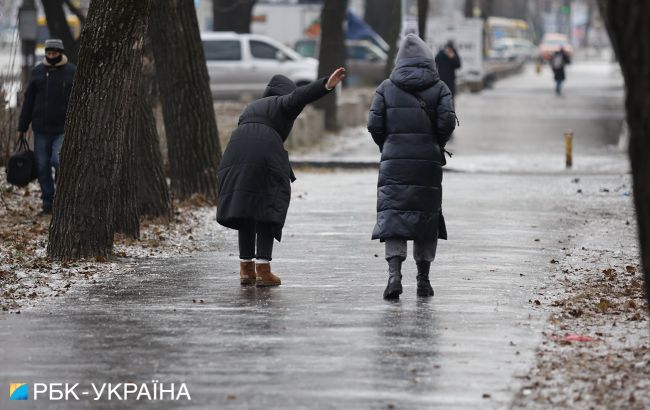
[(422, 251)]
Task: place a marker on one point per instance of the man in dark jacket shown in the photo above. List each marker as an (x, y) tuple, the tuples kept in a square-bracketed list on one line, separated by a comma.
[(45, 107), (558, 60), (411, 119), (448, 62), (255, 175)]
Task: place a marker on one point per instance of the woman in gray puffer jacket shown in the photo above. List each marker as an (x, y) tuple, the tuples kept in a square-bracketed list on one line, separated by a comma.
[(411, 119)]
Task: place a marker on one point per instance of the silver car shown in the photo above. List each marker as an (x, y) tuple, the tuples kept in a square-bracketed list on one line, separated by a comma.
[(240, 65)]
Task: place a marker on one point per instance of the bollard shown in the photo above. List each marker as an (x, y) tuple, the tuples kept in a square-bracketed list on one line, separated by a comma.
[(568, 148)]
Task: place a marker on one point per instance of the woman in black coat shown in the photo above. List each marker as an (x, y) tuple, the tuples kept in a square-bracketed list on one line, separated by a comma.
[(411, 119), (255, 175)]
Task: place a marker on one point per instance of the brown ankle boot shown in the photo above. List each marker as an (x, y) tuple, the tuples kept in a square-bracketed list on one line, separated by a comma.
[(247, 273), (264, 275)]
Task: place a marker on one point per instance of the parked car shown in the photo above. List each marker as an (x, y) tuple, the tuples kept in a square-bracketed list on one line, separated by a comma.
[(365, 61), (512, 49), (244, 63), (551, 42)]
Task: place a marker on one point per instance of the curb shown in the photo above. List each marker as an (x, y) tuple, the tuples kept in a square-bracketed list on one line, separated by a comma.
[(359, 165)]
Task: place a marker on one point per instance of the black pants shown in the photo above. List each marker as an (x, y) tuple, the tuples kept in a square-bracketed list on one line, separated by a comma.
[(248, 233)]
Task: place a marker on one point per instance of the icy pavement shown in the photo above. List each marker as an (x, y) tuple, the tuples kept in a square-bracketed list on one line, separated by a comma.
[(325, 338)]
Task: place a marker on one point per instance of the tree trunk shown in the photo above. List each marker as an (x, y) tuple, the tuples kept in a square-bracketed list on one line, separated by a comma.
[(378, 17), (395, 13), (423, 12), (469, 8), (332, 54), (58, 26), (184, 86), (627, 23), (232, 15), (101, 105), (125, 213), (153, 193)]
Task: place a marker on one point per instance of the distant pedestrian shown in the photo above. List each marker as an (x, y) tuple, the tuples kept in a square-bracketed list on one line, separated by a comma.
[(558, 60), (448, 61), (45, 107), (411, 119), (255, 174)]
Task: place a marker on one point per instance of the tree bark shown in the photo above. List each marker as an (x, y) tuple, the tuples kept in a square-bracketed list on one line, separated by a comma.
[(377, 15), (57, 24), (184, 86), (153, 193), (332, 54), (232, 15), (423, 12), (627, 24), (126, 219), (395, 13), (101, 105)]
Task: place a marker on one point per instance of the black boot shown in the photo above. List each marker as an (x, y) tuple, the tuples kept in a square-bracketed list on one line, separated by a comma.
[(424, 286), (394, 287)]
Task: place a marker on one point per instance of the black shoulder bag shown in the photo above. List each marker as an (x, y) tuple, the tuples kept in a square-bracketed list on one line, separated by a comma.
[(21, 168), (432, 117)]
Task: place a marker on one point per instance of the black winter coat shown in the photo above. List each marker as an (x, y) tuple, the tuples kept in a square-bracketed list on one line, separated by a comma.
[(255, 174), (409, 189), (447, 69), (46, 98), (558, 61)]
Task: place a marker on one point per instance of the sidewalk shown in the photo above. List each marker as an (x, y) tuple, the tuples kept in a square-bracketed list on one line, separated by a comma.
[(525, 241), (325, 338)]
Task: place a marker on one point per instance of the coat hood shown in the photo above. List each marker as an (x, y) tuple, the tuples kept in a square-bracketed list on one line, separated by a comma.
[(279, 85), (415, 68)]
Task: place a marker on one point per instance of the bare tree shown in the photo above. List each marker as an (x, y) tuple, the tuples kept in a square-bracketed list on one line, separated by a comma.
[(96, 131), (57, 24), (232, 15), (184, 88), (332, 54), (377, 15), (423, 12), (395, 13), (153, 193), (627, 23)]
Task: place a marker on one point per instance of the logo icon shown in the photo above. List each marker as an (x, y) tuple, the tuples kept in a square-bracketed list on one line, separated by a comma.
[(18, 391)]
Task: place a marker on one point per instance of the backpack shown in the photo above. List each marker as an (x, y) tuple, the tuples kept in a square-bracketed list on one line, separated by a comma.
[(21, 168)]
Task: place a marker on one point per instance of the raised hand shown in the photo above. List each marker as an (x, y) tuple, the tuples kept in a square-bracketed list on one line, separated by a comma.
[(337, 76)]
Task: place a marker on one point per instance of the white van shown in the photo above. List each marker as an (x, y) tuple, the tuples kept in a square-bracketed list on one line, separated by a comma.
[(243, 64)]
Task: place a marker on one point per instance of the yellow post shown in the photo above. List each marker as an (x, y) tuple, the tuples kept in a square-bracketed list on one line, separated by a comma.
[(568, 148)]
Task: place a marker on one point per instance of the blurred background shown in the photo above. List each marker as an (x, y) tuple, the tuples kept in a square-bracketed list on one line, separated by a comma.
[(247, 41)]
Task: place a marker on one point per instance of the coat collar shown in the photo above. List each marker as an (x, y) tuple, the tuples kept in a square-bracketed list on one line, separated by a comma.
[(64, 61)]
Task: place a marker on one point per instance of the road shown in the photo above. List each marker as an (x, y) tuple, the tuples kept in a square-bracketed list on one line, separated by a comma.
[(325, 338)]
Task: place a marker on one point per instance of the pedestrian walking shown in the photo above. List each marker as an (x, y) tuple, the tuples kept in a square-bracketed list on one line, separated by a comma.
[(411, 119), (448, 61), (45, 107), (255, 174), (558, 60)]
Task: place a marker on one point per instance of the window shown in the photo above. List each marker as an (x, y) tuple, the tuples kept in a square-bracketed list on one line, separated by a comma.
[(306, 48), (260, 49), (222, 50)]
